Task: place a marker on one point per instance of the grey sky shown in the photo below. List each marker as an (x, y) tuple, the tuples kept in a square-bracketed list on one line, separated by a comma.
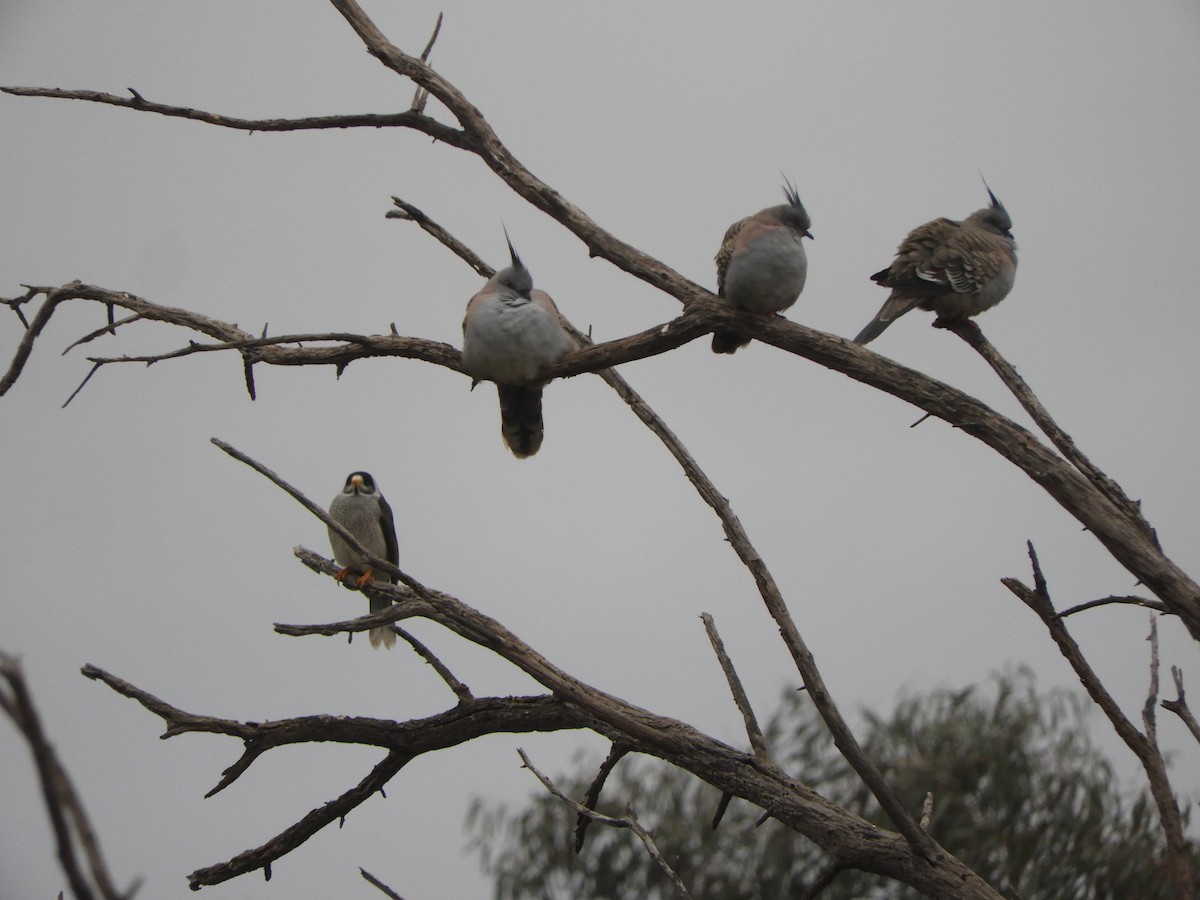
[(130, 542)]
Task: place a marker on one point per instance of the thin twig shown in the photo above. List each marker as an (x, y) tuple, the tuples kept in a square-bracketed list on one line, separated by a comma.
[(287, 840), (371, 879), (1179, 704), (410, 213), (403, 741), (757, 741), (630, 821), (109, 328), (615, 754), (1155, 605), (408, 119), (422, 95), (461, 691), (722, 807)]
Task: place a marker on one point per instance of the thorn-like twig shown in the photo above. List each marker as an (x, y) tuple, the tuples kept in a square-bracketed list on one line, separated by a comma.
[(592, 798), (422, 95), (630, 821), (1179, 704), (722, 807)]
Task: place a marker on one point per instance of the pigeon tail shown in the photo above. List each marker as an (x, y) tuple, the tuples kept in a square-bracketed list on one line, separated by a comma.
[(521, 418), (728, 342)]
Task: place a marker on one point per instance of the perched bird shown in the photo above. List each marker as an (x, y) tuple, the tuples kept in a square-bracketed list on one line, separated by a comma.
[(510, 333), (956, 269), (362, 511), (761, 265)]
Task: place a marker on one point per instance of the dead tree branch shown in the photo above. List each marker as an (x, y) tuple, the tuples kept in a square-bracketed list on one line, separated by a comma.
[(1179, 704), (1129, 544), (404, 742), (753, 731), (384, 889), (630, 821), (970, 332), (768, 589), (615, 754), (911, 856), (1116, 601), (1144, 746), (73, 833), (408, 119)]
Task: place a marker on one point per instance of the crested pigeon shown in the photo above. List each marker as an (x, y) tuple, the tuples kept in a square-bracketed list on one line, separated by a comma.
[(362, 511), (956, 269), (761, 265), (510, 333)]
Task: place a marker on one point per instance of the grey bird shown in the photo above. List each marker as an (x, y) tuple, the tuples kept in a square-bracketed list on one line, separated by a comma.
[(761, 266), (362, 511), (510, 333), (956, 269)]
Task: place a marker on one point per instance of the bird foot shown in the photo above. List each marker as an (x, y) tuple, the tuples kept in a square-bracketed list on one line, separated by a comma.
[(363, 578), (340, 575)]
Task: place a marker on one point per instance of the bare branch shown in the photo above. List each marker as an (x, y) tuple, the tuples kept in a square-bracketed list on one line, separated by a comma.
[(735, 687), (422, 95), (15, 303), (410, 213), (1129, 544), (722, 807), (404, 741), (371, 879), (784, 797), (460, 690), (409, 119), (1105, 601), (970, 332), (1179, 704), (1143, 745), (768, 589), (73, 832), (630, 822), (487, 145), (615, 754), (292, 837)]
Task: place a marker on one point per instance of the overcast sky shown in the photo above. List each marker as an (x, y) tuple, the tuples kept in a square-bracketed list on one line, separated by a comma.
[(131, 543)]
